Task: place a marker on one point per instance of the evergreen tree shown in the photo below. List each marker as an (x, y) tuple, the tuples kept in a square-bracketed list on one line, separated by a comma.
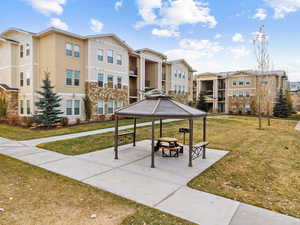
[(48, 104), (201, 103), (281, 108)]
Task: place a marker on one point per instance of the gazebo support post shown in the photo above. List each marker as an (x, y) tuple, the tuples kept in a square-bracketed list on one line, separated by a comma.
[(160, 128), (134, 132), (191, 128), (204, 137), (116, 136), (152, 145)]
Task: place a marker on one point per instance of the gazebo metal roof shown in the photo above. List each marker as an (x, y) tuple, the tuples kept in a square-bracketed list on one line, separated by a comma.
[(160, 106)]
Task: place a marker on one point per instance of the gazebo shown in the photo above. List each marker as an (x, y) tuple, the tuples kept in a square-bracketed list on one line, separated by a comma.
[(158, 106)]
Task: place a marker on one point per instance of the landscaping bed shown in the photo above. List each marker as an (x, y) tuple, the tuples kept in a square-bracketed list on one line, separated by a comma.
[(30, 195), (261, 169)]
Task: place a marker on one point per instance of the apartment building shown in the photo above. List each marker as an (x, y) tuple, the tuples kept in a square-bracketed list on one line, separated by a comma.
[(102, 67), (295, 94), (240, 91)]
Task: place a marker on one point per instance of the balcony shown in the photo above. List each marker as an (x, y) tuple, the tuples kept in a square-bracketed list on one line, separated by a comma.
[(133, 72), (133, 92)]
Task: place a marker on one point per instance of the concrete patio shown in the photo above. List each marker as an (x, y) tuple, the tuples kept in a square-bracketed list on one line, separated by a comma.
[(163, 188)]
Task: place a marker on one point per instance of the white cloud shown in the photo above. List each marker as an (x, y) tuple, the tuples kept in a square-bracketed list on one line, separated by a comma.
[(56, 22), (174, 13), (237, 37), (48, 7), (118, 4), (218, 36), (239, 51), (283, 7), (96, 25), (204, 47), (260, 14), (165, 33)]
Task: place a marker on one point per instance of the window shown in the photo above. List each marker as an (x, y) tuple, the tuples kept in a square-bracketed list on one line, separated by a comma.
[(110, 81), (69, 107), (179, 75), (21, 107), (100, 80), (183, 75), (183, 89), (247, 94), (76, 51), (69, 77), (68, 49), (110, 56), (241, 94), (247, 108), (248, 82), (100, 55), (21, 51), (27, 79), (119, 85), (110, 107), (77, 107), (119, 59), (119, 105), (234, 83), (100, 110), (175, 73), (28, 106), (21, 79), (76, 78), (241, 83), (27, 49), (234, 108), (175, 88)]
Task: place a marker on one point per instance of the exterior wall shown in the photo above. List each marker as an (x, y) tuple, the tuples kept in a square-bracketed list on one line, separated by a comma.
[(105, 94), (7, 64), (11, 98), (295, 96)]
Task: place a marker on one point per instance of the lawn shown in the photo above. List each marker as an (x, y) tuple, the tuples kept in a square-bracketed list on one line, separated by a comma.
[(20, 134), (30, 195), (262, 168)]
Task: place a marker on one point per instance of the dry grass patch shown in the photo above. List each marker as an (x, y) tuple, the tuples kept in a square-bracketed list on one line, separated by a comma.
[(30, 195)]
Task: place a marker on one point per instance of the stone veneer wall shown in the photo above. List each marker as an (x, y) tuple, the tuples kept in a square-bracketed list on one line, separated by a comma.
[(11, 98), (105, 94), (183, 98)]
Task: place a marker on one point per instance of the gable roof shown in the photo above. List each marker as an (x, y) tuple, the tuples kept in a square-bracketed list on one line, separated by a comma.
[(3, 39), (184, 62), (7, 88), (152, 51)]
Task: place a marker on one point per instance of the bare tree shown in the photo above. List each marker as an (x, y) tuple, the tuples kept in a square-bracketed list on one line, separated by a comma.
[(263, 64)]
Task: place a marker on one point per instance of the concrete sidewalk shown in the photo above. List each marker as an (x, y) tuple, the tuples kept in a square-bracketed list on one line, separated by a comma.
[(35, 142), (163, 188)]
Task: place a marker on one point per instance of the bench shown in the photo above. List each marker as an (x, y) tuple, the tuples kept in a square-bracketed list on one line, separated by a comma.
[(198, 150), (173, 151)]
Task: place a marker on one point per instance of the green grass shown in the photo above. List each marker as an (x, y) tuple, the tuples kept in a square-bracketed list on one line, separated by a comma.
[(20, 134), (31, 195), (261, 169)]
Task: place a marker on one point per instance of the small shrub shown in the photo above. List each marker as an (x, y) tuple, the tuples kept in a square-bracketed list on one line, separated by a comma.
[(112, 117), (13, 120), (3, 108), (78, 121), (64, 121), (27, 121), (102, 117)]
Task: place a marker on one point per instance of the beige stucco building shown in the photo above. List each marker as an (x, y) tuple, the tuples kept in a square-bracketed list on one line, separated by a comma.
[(102, 67), (240, 91)]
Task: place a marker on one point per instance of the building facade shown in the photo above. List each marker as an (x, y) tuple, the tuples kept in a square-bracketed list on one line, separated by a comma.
[(240, 92), (294, 88), (101, 67)]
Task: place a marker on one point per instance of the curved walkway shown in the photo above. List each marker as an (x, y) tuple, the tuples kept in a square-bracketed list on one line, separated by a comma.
[(298, 126)]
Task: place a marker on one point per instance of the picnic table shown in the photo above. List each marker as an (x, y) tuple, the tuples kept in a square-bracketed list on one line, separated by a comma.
[(169, 144)]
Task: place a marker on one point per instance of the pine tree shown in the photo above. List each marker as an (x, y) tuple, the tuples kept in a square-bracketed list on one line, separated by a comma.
[(48, 112), (201, 103), (281, 108), (290, 102)]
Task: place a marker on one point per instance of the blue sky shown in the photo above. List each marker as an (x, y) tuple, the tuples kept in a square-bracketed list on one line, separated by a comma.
[(213, 35)]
